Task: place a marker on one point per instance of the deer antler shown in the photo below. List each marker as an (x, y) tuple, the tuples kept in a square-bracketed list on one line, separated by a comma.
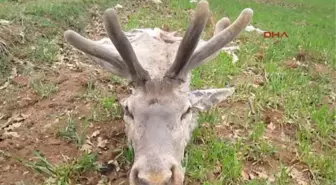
[(221, 39), (92, 48), (190, 40), (128, 61), (120, 41), (185, 59)]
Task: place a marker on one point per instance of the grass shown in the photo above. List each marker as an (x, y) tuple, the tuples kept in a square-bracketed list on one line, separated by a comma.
[(282, 177), (70, 132), (43, 89), (42, 24), (298, 93), (105, 104), (62, 174)]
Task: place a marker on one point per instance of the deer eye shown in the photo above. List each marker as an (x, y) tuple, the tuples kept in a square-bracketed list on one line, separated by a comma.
[(128, 113), (185, 113)]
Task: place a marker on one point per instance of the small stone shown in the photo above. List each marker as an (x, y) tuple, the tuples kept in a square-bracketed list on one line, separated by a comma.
[(7, 168), (95, 133)]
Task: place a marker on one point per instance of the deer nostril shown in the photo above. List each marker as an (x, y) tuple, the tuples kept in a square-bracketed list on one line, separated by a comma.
[(167, 173), (138, 177), (142, 181), (173, 170), (157, 177)]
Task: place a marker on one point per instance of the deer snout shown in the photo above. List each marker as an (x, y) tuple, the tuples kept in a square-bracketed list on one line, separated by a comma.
[(155, 178), (156, 174)]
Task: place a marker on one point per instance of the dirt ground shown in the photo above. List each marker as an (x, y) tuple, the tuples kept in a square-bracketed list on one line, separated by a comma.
[(35, 123), (30, 122)]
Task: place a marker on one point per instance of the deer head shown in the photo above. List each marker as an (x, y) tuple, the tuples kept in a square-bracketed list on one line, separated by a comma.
[(159, 115)]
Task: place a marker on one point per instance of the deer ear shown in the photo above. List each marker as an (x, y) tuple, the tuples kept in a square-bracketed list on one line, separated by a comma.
[(203, 100)]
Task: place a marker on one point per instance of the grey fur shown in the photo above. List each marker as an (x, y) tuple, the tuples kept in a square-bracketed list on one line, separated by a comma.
[(161, 112)]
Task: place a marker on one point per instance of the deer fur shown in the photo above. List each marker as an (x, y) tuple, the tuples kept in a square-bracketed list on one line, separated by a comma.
[(161, 112)]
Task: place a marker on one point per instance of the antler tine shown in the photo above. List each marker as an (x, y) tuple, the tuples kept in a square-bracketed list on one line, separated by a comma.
[(190, 40), (221, 25), (120, 41), (92, 48), (221, 39)]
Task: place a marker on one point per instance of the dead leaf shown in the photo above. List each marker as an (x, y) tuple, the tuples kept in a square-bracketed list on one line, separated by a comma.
[(56, 120), (110, 87), (262, 174), (25, 116), (7, 168), (218, 168), (95, 133), (298, 176), (102, 182), (13, 134), (6, 124), (13, 126), (244, 175), (5, 85), (252, 176), (118, 6), (271, 126), (17, 118), (210, 176), (25, 173), (259, 56), (13, 73), (157, 1), (4, 22), (102, 143), (86, 148), (2, 116)]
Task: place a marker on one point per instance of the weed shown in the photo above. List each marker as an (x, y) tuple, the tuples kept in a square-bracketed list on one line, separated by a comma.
[(70, 132), (62, 174), (282, 177), (111, 107), (257, 132), (323, 118), (46, 50), (127, 155), (43, 89)]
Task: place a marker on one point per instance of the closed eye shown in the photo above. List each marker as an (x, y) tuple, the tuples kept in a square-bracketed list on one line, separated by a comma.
[(128, 113), (185, 113)]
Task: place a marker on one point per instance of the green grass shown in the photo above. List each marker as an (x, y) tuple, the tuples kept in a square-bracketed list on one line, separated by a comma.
[(71, 133), (308, 25), (43, 89), (298, 93), (105, 103), (42, 25), (65, 173)]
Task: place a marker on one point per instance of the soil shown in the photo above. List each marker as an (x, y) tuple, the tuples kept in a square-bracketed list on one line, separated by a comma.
[(29, 122), (40, 119)]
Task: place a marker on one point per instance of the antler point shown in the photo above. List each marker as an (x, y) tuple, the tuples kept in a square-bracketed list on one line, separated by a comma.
[(248, 11)]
